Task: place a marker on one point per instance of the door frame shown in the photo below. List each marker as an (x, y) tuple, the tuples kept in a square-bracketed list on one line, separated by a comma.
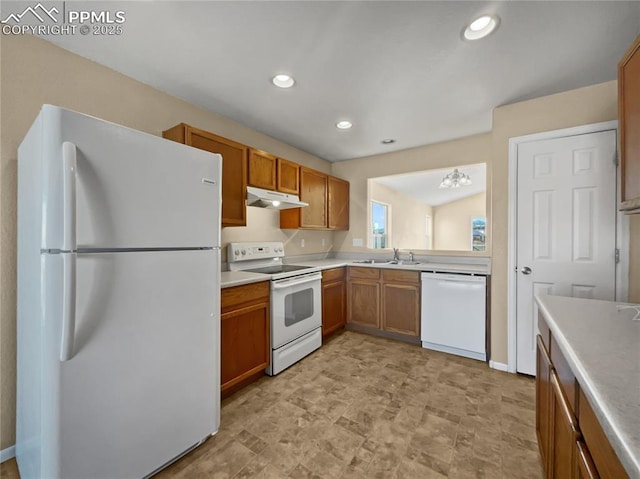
[(622, 227)]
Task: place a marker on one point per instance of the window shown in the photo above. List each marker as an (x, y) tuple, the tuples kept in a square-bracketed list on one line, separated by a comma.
[(478, 234), (379, 225)]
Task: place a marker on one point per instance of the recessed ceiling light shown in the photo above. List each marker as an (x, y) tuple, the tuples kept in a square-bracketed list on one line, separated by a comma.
[(344, 125), (481, 27), (283, 81), (388, 141)]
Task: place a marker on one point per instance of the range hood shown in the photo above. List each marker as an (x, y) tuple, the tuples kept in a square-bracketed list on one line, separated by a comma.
[(272, 199)]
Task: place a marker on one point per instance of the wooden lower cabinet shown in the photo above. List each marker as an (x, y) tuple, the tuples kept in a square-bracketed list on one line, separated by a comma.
[(401, 302), (563, 434), (572, 443), (364, 302), (245, 345), (334, 300), (385, 300), (543, 399)]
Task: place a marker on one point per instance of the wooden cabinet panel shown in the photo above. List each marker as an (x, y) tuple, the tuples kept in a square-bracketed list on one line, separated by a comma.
[(543, 399), (401, 308), (563, 436), (234, 168), (629, 125), (334, 274), (364, 273), (604, 457), (396, 275), (338, 210), (245, 345), (545, 333), (313, 190), (262, 169), (363, 303), (231, 297), (565, 375), (586, 468), (334, 305), (288, 176)]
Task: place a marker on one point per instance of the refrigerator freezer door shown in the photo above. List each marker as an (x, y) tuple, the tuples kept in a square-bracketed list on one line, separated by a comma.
[(142, 382), (132, 189)]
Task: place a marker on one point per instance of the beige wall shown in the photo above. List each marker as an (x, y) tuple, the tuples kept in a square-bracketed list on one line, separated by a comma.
[(464, 151), (452, 222), (582, 106), (34, 72), (408, 216)]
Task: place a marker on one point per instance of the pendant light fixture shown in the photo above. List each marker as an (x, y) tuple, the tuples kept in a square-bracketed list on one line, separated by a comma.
[(455, 180)]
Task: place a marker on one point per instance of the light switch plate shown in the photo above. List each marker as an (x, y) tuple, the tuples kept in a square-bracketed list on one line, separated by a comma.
[(357, 242)]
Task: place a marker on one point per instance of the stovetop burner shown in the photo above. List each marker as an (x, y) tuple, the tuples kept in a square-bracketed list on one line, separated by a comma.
[(281, 268)]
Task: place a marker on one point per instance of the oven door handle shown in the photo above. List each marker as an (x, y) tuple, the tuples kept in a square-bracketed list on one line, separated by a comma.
[(287, 283)]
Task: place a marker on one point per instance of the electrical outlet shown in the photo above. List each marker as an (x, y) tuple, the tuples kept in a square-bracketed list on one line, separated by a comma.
[(302, 243), (357, 242)]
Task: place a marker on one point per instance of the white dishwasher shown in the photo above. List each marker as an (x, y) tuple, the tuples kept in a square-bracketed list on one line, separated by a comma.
[(453, 317)]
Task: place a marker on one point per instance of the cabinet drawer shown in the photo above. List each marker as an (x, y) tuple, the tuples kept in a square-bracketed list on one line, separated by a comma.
[(545, 333), (334, 274), (565, 375), (604, 457), (394, 275), (230, 297), (364, 273)]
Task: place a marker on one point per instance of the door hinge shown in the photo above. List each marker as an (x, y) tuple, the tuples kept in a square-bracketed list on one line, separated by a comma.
[(615, 158), (617, 256)]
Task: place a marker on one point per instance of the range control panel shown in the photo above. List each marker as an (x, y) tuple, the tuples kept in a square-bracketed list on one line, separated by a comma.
[(254, 251)]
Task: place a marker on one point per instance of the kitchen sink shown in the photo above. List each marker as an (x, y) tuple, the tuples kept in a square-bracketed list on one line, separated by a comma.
[(374, 261)]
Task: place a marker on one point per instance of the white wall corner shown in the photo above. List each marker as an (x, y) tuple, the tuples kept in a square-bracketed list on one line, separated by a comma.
[(498, 366), (7, 453)]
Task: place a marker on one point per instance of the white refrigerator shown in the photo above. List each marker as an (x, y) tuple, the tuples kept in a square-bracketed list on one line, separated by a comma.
[(118, 299)]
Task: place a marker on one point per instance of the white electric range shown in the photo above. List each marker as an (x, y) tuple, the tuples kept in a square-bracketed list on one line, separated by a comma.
[(296, 301)]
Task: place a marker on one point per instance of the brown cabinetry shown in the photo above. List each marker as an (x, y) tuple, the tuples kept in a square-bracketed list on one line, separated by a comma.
[(262, 169), (328, 199), (334, 300), (271, 173), (401, 302), (384, 301), (571, 441), (288, 176), (338, 207), (234, 168), (244, 335), (629, 124)]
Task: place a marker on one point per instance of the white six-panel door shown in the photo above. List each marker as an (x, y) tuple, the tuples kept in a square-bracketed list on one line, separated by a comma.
[(566, 226)]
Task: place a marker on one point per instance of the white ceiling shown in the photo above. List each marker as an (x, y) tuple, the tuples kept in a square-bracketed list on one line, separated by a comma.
[(424, 185), (395, 69)]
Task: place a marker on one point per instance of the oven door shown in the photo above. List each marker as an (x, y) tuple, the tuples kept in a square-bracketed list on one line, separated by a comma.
[(296, 307)]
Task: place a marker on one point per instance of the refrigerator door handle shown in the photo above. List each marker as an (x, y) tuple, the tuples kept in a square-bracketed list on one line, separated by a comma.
[(68, 305), (70, 166)]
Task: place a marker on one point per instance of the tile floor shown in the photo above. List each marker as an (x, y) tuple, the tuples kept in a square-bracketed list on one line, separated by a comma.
[(367, 407)]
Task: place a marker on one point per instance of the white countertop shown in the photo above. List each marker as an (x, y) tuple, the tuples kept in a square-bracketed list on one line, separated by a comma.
[(237, 278), (602, 347)]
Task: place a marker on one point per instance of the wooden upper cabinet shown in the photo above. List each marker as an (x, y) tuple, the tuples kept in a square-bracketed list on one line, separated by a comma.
[(288, 177), (234, 168), (629, 124), (262, 169), (338, 209), (313, 190)]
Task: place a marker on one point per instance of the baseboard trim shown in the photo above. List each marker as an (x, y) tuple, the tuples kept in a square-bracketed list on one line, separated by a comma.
[(8, 453), (499, 366)]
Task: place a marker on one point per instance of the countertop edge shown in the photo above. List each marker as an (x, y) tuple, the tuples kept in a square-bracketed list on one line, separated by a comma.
[(626, 456)]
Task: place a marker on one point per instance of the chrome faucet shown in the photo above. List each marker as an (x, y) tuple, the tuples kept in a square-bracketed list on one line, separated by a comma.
[(396, 254), (411, 256)]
